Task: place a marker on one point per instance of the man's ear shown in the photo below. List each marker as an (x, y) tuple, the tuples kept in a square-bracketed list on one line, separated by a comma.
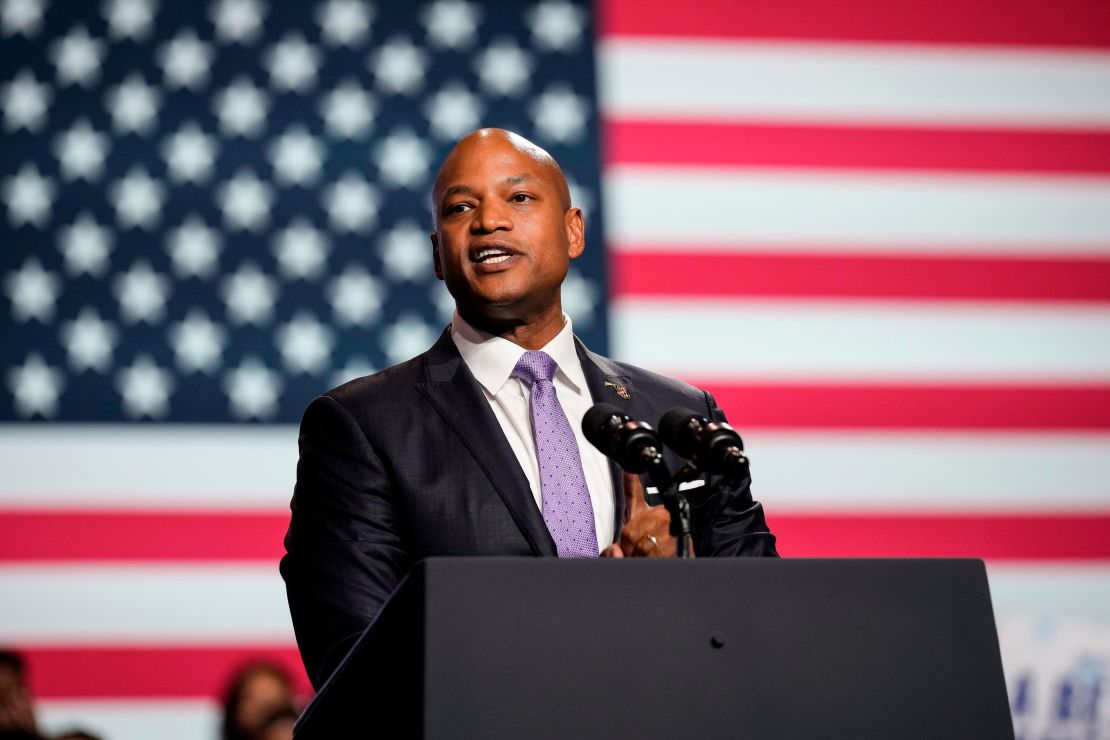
[(435, 256), (576, 232)]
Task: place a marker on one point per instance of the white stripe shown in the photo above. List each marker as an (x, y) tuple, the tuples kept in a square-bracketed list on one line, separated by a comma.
[(671, 206), (847, 340), (120, 719), (799, 469), (75, 604), (920, 472), (179, 467), (985, 86), (1075, 592)]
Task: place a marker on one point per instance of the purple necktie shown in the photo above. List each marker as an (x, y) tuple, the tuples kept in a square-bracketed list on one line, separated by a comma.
[(567, 509)]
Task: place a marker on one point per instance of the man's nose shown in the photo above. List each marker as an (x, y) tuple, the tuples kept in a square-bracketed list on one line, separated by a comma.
[(492, 215)]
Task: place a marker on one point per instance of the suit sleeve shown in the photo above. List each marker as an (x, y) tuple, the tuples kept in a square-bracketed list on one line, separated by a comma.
[(730, 523), (344, 549)]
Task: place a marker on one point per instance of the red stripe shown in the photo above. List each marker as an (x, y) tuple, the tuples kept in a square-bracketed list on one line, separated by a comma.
[(805, 530), (925, 407), (890, 147), (148, 672), (1048, 536), (1024, 22), (677, 272), (126, 535)]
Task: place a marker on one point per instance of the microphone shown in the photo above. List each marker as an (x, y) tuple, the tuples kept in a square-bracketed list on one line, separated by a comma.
[(633, 444), (713, 445)]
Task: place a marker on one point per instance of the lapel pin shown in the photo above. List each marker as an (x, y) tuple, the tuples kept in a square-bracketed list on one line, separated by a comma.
[(620, 390)]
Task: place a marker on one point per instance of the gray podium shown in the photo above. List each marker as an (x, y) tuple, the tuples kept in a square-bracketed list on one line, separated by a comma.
[(637, 649)]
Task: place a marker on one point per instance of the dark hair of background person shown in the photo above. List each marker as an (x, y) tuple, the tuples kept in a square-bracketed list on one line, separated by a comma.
[(17, 712), (246, 707), (12, 660), (19, 734), (77, 735)]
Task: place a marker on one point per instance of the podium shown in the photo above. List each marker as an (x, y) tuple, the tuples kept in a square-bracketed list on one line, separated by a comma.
[(710, 648)]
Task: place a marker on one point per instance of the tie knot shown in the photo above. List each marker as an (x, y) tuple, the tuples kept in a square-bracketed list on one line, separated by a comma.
[(534, 366)]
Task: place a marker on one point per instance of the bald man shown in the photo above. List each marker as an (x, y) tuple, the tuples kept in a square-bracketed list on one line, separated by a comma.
[(475, 447)]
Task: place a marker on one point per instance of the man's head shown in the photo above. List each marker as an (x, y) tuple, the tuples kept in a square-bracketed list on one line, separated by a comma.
[(505, 229)]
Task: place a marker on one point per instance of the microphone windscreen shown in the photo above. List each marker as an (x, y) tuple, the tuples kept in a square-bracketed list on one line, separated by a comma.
[(675, 430), (597, 421)]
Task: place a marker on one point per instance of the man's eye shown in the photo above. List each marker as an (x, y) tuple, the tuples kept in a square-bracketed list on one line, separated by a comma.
[(521, 197), (458, 207)]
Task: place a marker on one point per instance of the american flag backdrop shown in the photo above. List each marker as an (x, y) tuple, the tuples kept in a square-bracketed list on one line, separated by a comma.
[(878, 232)]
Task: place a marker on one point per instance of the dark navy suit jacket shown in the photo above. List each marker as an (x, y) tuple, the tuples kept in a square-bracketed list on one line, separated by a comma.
[(411, 463)]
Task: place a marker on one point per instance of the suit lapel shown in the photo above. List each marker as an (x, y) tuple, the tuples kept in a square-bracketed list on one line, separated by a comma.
[(608, 385), (458, 398)]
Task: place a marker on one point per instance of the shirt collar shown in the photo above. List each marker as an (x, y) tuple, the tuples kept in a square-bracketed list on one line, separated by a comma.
[(491, 359)]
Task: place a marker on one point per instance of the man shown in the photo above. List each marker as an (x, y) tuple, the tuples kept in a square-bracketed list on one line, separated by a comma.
[(439, 455)]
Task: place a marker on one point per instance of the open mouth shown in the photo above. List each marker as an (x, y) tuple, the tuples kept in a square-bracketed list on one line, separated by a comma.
[(490, 255)]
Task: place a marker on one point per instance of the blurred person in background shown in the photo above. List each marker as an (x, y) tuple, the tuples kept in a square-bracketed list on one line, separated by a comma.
[(257, 693), (279, 725), (77, 735), (17, 713)]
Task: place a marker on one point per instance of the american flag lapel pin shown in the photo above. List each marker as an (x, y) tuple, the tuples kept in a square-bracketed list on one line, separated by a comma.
[(620, 390)]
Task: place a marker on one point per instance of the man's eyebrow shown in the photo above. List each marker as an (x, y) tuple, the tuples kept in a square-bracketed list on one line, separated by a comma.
[(458, 190), (467, 190)]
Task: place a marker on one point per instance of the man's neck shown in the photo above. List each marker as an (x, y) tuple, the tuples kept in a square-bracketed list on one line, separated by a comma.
[(533, 333)]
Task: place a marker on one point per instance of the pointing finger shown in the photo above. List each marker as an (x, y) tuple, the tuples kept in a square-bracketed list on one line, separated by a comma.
[(634, 502)]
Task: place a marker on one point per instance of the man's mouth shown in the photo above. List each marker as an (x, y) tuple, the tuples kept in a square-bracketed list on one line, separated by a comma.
[(490, 255)]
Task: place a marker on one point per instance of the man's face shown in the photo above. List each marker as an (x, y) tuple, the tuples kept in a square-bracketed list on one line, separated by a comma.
[(504, 234)]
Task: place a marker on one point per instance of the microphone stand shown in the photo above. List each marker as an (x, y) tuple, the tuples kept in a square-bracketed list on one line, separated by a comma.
[(674, 500), (679, 507), (676, 503)]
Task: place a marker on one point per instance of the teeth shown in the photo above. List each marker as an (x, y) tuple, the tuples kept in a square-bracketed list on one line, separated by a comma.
[(491, 255)]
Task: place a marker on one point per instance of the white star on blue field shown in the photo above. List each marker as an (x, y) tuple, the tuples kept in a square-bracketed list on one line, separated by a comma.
[(215, 211)]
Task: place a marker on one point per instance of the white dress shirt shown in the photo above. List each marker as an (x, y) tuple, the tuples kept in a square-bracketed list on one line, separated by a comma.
[(491, 360)]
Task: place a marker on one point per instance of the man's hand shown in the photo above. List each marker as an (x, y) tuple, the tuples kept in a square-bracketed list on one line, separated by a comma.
[(646, 531)]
